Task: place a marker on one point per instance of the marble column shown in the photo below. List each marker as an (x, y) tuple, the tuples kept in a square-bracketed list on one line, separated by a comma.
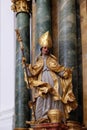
[(22, 94), (68, 43), (43, 20), (83, 22)]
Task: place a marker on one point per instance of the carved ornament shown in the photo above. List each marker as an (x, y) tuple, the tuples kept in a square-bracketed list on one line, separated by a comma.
[(21, 6)]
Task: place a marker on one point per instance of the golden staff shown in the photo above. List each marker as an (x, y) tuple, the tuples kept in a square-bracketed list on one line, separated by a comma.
[(23, 56), (31, 104)]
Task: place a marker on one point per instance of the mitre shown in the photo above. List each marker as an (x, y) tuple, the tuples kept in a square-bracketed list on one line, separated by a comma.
[(45, 40)]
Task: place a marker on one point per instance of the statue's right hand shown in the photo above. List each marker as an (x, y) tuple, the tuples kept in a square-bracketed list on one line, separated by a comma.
[(23, 60)]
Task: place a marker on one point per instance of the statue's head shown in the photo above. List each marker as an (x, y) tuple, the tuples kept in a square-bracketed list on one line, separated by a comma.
[(45, 40)]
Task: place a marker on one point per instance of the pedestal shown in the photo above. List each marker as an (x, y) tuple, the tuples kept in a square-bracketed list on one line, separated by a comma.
[(50, 126), (84, 128), (74, 125)]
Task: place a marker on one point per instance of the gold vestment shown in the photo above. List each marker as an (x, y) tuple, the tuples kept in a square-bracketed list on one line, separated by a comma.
[(61, 76)]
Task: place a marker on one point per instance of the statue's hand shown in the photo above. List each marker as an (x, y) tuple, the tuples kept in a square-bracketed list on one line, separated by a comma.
[(24, 62), (67, 72)]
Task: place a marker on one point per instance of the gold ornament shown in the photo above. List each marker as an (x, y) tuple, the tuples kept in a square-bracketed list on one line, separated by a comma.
[(55, 115), (45, 40), (21, 6)]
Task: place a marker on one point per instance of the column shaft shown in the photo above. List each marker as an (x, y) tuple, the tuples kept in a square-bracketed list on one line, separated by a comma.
[(67, 42), (43, 20), (22, 94)]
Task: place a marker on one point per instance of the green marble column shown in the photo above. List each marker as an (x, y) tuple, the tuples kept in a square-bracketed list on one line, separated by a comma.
[(43, 20), (68, 43), (22, 94)]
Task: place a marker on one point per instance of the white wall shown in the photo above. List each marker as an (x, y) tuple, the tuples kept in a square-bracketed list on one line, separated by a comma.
[(7, 65)]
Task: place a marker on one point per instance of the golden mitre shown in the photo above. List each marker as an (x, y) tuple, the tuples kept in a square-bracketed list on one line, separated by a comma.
[(45, 40)]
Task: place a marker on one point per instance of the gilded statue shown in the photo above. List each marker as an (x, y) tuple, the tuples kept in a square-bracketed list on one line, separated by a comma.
[(52, 83)]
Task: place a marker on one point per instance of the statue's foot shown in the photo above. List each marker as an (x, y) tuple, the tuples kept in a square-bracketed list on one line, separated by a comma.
[(39, 121), (42, 120), (30, 122)]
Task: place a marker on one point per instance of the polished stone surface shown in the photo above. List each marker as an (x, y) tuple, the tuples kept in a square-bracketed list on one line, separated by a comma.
[(22, 94), (67, 42), (67, 33), (43, 20)]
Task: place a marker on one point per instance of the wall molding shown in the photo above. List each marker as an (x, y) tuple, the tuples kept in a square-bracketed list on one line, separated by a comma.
[(6, 114), (7, 119)]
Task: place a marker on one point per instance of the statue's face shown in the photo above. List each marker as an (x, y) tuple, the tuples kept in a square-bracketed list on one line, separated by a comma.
[(45, 50)]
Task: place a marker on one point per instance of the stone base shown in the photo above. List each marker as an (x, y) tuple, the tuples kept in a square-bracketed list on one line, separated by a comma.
[(74, 125), (21, 129), (50, 126), (84, 128)]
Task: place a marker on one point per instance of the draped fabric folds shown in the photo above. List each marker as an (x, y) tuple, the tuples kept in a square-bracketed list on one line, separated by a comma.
[(58, 88)]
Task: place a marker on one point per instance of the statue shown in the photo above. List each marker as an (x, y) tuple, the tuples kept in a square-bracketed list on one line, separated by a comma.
[(52, 83)]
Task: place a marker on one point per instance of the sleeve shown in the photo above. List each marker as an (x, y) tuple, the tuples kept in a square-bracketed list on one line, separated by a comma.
[(66, 73), (59, 69), (36, 69), (32, 71)]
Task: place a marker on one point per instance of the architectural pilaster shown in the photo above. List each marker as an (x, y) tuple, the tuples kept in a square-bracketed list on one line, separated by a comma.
[(83, 21), (33, 31), (55, 27)]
